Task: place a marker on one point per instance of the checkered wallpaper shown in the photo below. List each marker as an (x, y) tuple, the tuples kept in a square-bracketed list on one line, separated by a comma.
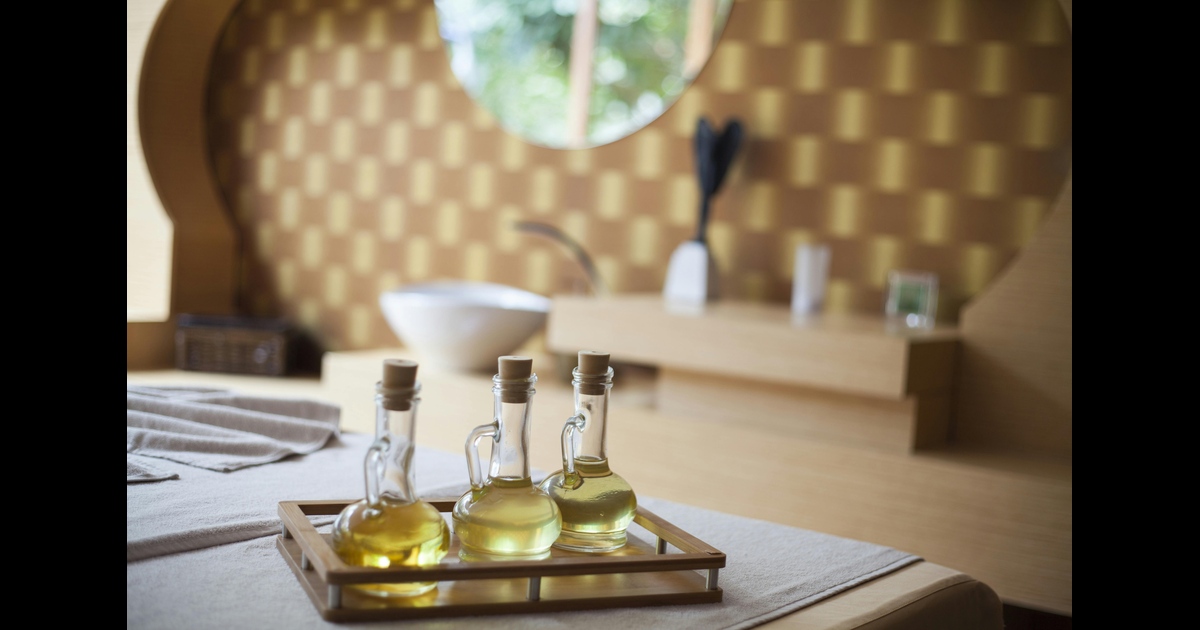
[(920, 134)]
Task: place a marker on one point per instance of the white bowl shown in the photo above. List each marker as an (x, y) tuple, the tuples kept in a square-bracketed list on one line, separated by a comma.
[(463, 325)]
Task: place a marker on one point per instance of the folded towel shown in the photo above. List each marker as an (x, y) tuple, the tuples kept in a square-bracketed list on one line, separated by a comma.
[(221, 430), (138, 470), (205, 507)]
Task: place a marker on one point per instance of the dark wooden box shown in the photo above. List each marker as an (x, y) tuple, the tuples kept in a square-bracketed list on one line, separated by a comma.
[(234, 344)]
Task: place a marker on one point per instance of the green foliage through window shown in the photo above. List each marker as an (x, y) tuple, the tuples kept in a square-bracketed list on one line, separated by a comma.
[(513, 57)]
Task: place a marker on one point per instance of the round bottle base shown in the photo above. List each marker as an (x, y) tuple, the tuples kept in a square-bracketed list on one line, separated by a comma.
[(590, 543), (469, 555), (405, 589)]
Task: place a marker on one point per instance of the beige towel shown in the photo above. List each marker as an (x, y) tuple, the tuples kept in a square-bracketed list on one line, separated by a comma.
[(206, 507), (138, 470), (219, 429)]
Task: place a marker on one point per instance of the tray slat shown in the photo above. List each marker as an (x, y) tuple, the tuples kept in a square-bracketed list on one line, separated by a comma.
[(633, 576)]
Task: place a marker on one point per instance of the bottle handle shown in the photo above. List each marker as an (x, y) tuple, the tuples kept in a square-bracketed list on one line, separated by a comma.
[(572, 428), (374, 467), (473, 466)]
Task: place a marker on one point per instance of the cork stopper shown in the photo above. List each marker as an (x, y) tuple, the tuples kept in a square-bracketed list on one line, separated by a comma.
[(399, 373), (399, 384), (593, 363), (514, 368), (592, 373)]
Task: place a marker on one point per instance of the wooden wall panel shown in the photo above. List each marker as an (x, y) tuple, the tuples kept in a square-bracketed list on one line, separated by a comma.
[(933, 136), (169, 171), (1015, 380)]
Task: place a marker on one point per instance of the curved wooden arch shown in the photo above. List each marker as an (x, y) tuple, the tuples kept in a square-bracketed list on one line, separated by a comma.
[(171, 100)]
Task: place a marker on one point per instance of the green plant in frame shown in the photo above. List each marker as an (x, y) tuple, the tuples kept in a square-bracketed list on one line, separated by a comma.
[(912, 298)]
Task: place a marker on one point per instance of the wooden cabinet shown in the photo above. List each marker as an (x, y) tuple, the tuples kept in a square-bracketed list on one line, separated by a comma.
[(852, 378)]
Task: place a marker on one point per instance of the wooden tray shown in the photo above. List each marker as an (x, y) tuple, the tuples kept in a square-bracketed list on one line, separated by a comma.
[(636, 575)]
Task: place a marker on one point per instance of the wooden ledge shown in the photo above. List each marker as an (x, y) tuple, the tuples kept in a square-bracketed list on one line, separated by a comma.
[(852, 379), (853, 354)]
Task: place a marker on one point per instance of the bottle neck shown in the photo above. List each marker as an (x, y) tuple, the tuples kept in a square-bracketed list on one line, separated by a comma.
[(591, 405), (510, 452), (593, 436), (395, 424)]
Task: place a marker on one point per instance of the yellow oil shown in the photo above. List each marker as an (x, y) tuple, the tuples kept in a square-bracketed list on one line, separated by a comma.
[(597, 506), (507, 519), (390, 536)]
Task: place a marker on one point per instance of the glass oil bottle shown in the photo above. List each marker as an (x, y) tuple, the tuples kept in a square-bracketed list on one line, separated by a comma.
[(391, 527), (506, 517), (597, 504)]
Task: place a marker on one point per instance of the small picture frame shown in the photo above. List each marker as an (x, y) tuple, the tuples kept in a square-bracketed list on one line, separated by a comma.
[(912, 298)]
